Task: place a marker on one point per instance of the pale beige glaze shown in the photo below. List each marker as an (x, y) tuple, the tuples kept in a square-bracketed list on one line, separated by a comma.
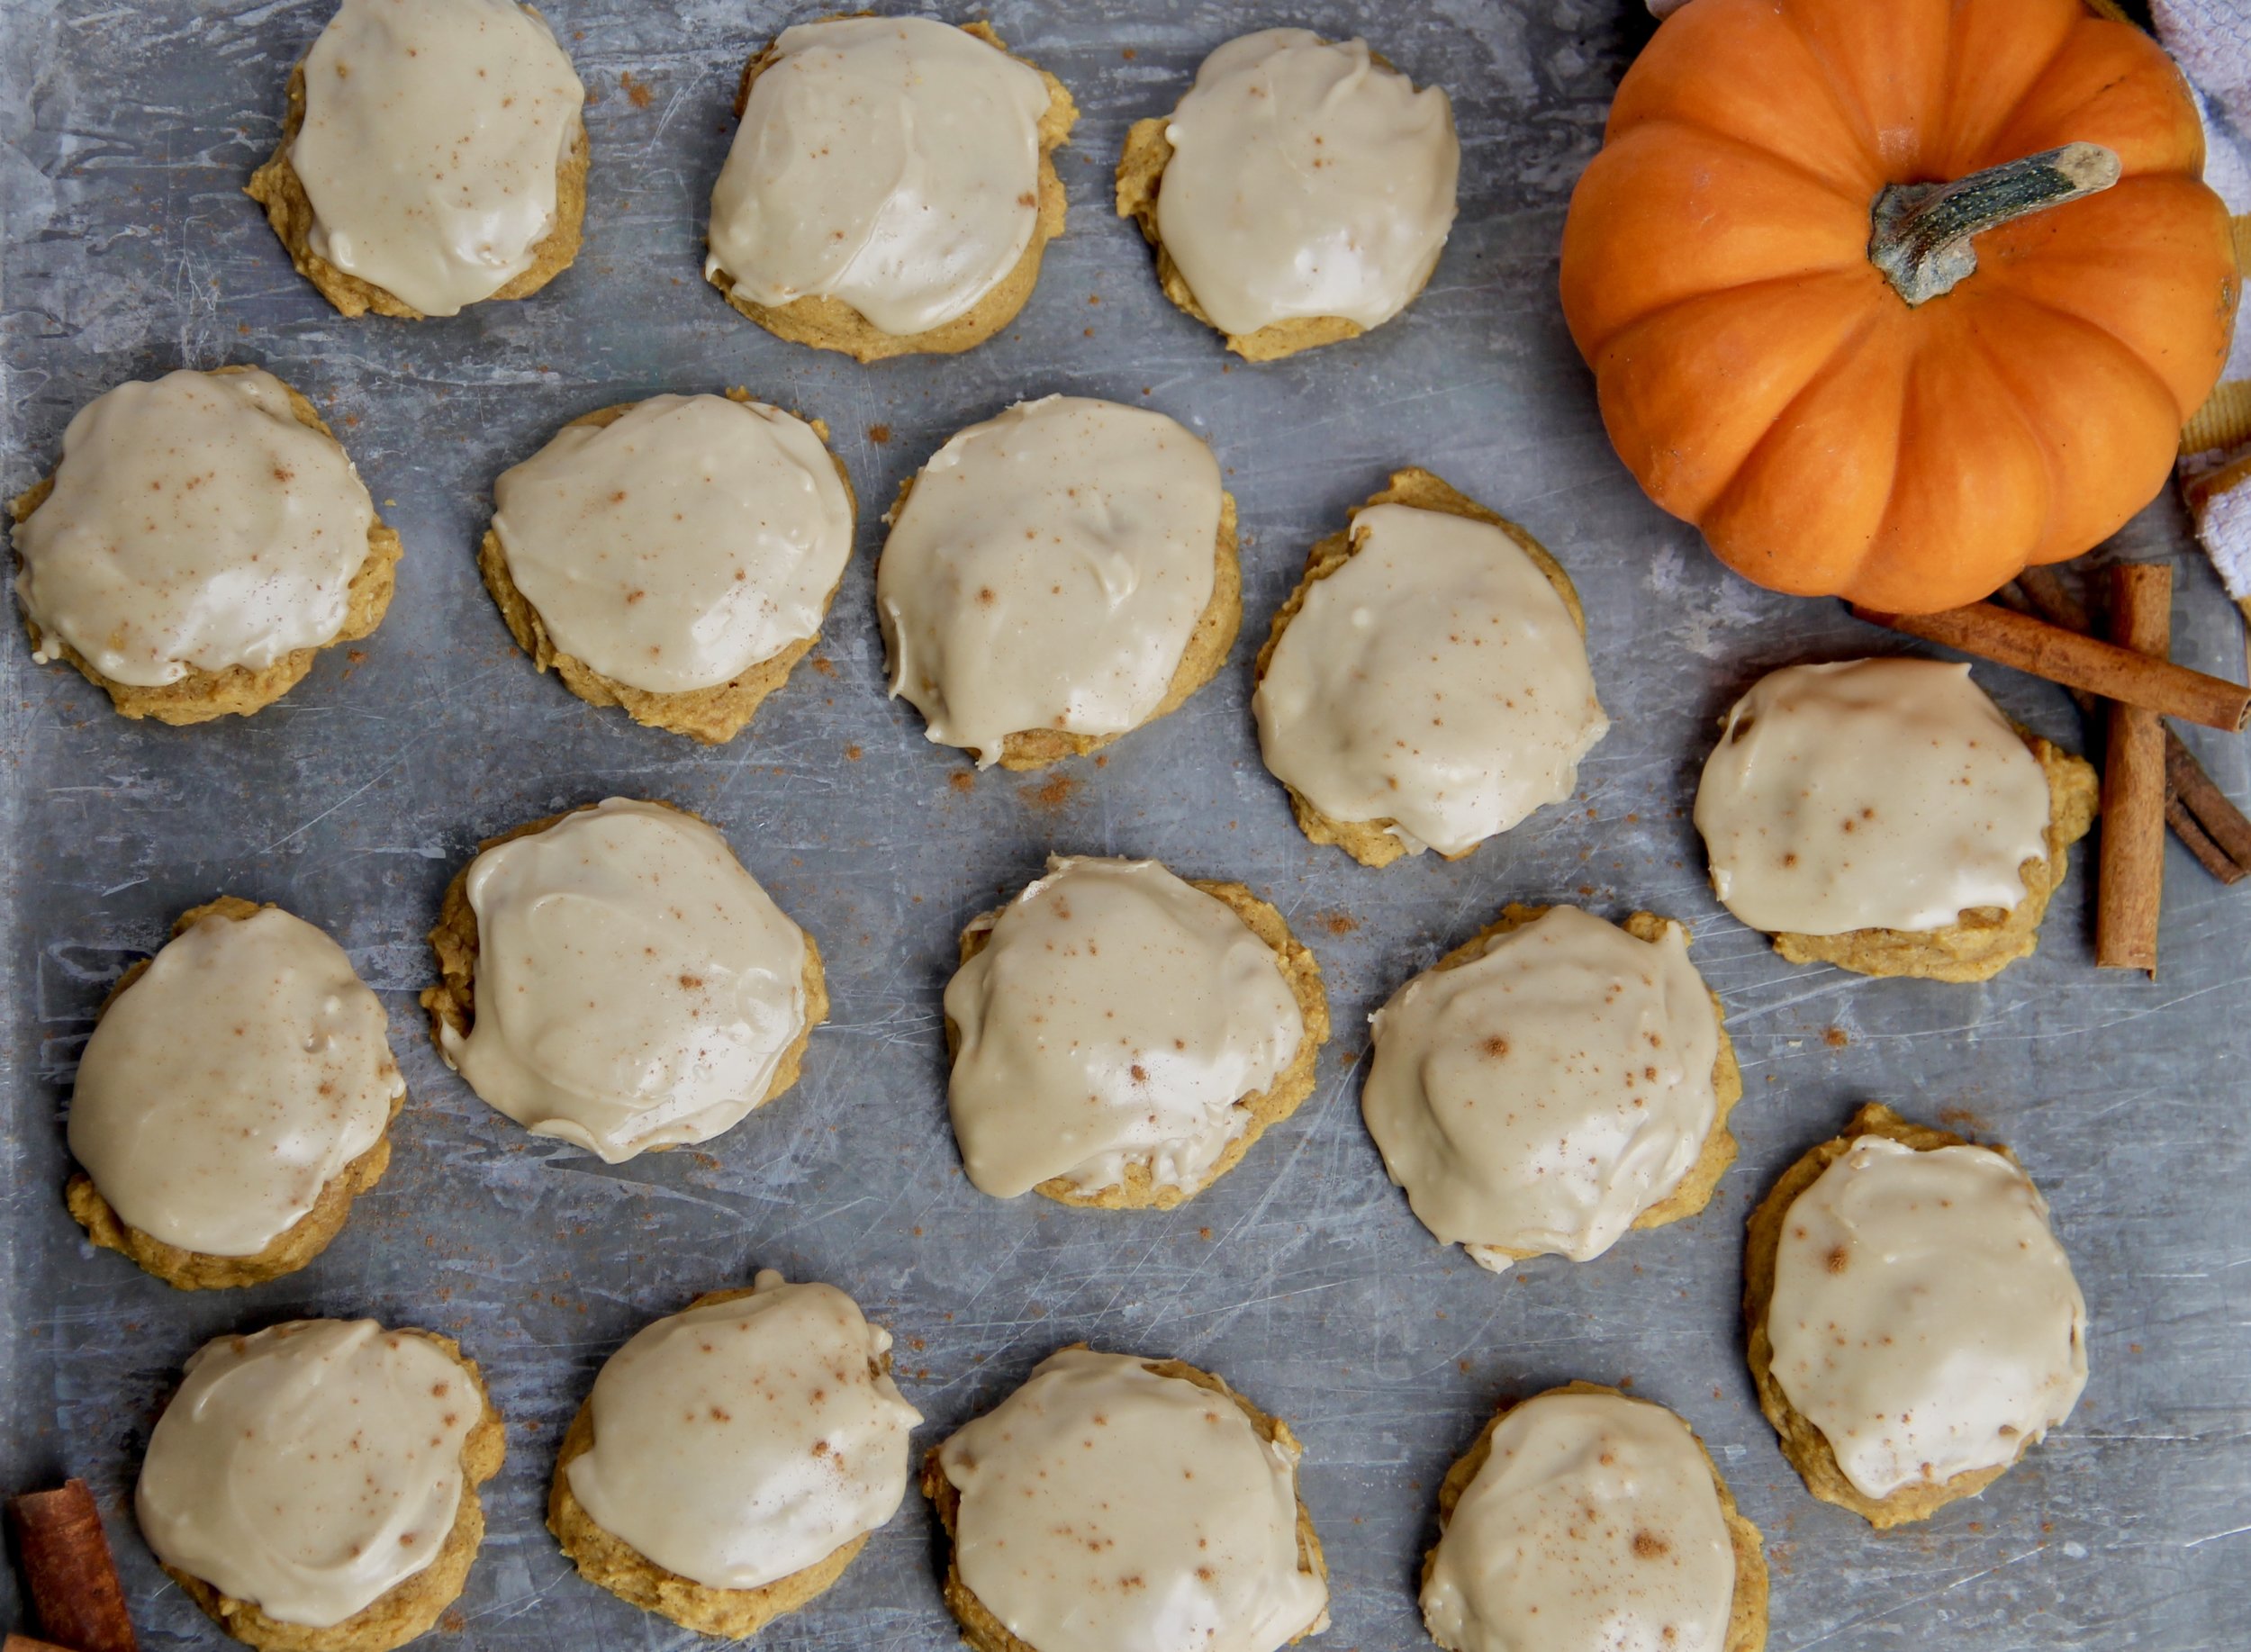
[(1105, 1508), (1047, 572), (1306, 180), (231, 1082), (1923, 1317), (891, 163), (635, 987), (1540, 1097), (433, 134), (1436, 679), (310, 1468), (195, 525), (743, 1440), (1117, 1013), (1593, 1526), (679, 545), (1869, 794)]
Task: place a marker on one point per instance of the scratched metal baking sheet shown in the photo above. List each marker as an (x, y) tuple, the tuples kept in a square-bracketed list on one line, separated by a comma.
[(131, 126)]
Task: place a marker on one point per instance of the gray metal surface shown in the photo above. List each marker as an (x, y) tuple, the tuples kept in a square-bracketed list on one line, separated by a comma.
[(130, 129)]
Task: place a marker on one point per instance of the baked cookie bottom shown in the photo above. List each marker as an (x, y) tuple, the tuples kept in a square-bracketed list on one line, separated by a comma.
[(237, 690), (1372, 842), (1139, 1190), (1205, 652), (1802, 1442), (452, 1002), (410, 1606), (609, 1562), (831, 324), (1720, 1147), (276, 187), (1984, 940), (1747, 1616), (712, 716), (289, 1249), (1140, 178), (984, 1632)]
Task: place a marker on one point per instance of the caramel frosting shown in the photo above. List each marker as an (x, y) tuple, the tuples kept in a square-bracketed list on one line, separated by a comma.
[(1869, 794), (1306, 179), (635, 987), (311, 1468), (231, 1082), (748, 1438), (1540, 1096), (1923, 1316), (434, 130), (891, 163), (680, 545), (1436, 678), (1117, 1014), (1047, 572), (1592, 1526), (1106, 1508), (195, 525)]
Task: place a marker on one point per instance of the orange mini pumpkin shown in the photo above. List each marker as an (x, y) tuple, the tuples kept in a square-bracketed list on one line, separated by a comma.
[(1799, 347)]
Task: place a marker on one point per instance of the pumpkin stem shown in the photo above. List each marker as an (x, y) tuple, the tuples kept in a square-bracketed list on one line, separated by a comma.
[(1921, 233)]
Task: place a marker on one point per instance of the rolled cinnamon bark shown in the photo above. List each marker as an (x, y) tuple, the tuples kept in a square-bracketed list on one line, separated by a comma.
[(2131, 879), (76, 1596), (2007, 637)]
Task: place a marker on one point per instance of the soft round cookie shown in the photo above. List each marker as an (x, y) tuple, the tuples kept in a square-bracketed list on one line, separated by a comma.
[(681, 1485), (233, 1100), (1883, 816), (1300, 194), (313, 1487), (1113, 1504), (891, 187), (577, 957), (1552, 1082), (1582, 1520), (1121, 1036), (1056, 577), (674, 556), (266, 547), (1913, 1326), (1427, 684), (432, 156)]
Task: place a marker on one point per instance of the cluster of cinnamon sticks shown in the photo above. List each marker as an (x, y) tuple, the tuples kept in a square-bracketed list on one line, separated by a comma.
[(2151, 781), (76, 1596)]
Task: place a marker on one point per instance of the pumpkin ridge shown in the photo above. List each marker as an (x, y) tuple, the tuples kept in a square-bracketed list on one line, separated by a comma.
[(1959, 66), (1842, 96), (2124, 348), (1749, 467)]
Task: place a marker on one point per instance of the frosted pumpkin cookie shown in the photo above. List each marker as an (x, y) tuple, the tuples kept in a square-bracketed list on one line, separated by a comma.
[(314, 1487), (232, 1101), (1119, 1504), (613, 976), (1915, 1328), (674, 556), (1056, 577), (200, 539), (1884, 817), (1551, 1083), (734, 1457), (432, 156), (1582, 1520), (891, 187), (1426, 685), (1120, 1037), (1299, 194)]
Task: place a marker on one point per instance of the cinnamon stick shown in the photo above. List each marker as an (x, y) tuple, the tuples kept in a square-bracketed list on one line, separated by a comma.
[(73, 1582), (25, 1643), (2131, 879), (2202, 815), (1995, 633)]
